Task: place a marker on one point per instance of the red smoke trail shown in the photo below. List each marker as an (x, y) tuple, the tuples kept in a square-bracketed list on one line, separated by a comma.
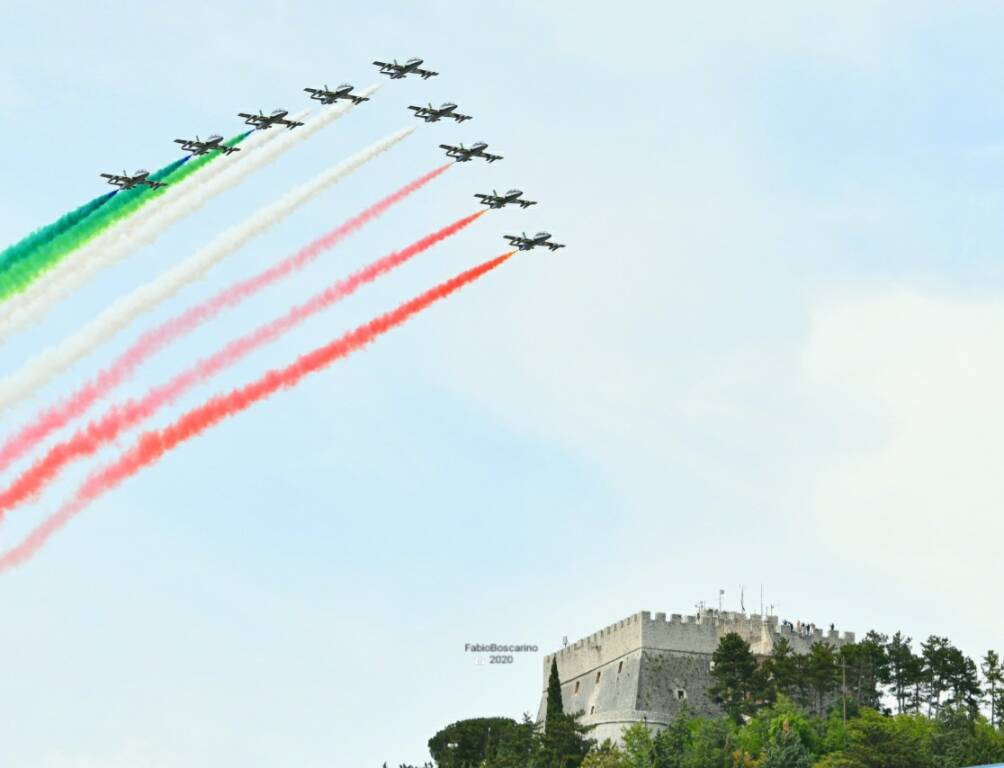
[(150, 446), (156, 339), (117, 419)]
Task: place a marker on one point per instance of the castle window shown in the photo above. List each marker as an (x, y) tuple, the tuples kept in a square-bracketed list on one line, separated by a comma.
[(576, 687), (592, 709), (620, 667), (597, 677), (680, 694)]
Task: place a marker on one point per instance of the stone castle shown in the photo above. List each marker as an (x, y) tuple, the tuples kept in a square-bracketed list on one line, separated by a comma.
[(642, 669)]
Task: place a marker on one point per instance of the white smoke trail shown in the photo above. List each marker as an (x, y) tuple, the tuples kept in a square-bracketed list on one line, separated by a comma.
[(40, 369), (137, 232), (21, 308)]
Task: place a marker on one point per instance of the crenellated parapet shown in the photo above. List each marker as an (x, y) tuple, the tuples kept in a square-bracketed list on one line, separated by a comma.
[(651, 664)]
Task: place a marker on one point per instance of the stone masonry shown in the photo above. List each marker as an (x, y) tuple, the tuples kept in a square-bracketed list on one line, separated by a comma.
[(642, 669)]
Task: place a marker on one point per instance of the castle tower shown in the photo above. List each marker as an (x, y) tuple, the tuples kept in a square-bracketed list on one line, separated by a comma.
[(642, 669)]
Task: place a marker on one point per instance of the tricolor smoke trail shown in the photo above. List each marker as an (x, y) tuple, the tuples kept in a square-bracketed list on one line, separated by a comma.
[(22, 248), (56, 359), (116, 420), (177, 202), (152, 445), (154, 340), (19, 274), (137, 206)]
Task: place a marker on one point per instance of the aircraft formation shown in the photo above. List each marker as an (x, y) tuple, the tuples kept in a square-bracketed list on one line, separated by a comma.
[(430, 114)]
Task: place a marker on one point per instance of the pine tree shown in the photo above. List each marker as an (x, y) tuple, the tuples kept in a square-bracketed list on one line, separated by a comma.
[(787, 751), (902, 670), (993, 673), (822, 672), (735, 676), (935, 655), (554, 705), (564, 744), (671, 745), (782, 668)]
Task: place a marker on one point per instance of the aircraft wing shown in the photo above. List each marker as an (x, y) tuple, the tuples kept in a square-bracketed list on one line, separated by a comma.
[(382, 64), (526, 203), (491, 158), (155, 184), (555, 246), (515, 239), (420, 111), (258, 121), (425, 73), (485, 197), (114, 178), (358, 99), (448, 148), (292, 124)]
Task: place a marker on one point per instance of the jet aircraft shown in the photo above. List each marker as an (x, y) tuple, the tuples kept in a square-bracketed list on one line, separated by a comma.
[(199, 147), (326, 96), (513, 196), (397, 71), (525, 243), (433, 114), (264, 122), (463, 154), (138, 178)]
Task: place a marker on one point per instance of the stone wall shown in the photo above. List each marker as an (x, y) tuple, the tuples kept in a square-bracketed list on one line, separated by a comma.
[(643, 669)]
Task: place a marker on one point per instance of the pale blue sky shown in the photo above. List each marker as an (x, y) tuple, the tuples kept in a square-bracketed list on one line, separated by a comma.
[(770, 354)]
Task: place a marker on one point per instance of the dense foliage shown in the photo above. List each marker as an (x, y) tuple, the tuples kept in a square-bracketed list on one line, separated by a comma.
[(876, 703)]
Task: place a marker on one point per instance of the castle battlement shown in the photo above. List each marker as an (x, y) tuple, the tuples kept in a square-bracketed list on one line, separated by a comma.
[(643, 667)]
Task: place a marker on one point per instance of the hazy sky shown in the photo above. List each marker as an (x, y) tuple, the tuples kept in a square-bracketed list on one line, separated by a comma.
[(770, 355)]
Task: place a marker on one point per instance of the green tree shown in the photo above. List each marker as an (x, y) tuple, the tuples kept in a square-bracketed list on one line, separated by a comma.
[(963, 682), (786, 750), (903, 671), (554, 705), (867, 667), (670, 745), (710, 745), (822, 674), (638, 746), (935, 653), (564, 743), (903, 741), (993, 673), (838, 760), (782, 669), (470, 742), (606, 755), (959, 739), (735, 676), (518, 748)]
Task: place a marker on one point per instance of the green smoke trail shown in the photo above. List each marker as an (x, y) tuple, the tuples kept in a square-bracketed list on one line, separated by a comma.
[(123, 204), (22, 248)]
